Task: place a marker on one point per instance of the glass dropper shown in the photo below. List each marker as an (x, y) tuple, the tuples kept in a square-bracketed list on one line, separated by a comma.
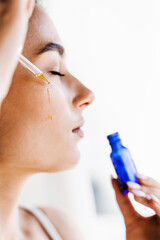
[(32, 68)]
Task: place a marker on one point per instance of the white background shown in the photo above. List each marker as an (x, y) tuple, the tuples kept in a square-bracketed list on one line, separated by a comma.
[(113, 47)]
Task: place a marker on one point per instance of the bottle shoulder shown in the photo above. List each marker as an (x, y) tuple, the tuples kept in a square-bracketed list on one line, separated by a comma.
[(120, 151)]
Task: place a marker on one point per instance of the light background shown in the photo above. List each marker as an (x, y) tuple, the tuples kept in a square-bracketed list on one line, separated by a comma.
[(113, 47)]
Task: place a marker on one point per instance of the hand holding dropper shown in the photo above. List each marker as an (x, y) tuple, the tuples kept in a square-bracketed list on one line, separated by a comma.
[(14, 16)]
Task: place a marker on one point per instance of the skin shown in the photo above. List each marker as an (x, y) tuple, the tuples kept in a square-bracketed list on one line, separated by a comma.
[(14, 15), (30, 129), (30, 140), (148, 194), (36, 122)]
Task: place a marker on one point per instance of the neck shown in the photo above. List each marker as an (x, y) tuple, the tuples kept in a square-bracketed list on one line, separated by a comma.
[(11, 186), (116, 145)]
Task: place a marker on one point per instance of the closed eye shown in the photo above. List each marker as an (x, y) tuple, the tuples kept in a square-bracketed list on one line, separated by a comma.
[(57, 73)]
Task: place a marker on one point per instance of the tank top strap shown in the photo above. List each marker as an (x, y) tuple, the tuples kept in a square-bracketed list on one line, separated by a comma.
[(45, 221)]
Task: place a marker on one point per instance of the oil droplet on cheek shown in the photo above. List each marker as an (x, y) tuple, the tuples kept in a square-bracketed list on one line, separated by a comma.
[(49, 99), (50, 117), (41, 76)]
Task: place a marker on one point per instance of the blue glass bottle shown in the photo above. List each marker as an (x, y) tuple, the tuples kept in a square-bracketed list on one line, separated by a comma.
[(122, 162)]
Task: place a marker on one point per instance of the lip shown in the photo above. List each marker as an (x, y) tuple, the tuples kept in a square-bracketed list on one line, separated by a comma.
[(78, 131)]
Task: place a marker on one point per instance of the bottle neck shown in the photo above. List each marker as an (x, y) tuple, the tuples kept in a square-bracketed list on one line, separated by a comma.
[(116, 145)]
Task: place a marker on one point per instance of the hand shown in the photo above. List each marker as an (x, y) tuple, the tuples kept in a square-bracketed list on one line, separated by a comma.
[(14, 15), (148, 193)]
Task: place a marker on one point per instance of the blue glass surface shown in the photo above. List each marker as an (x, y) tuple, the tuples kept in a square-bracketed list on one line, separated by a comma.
[(122, 162)]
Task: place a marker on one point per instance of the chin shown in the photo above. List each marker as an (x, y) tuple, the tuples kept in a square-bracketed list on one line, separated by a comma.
[(70, 162), (63, 163)]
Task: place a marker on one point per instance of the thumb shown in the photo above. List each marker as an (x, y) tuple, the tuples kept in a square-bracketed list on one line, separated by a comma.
[(124, 203)]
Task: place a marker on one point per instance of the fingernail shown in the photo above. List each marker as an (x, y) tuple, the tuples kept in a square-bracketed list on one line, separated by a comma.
[(139, 193), (29, 7), (133, 185), (154, 198), (141, 176), (148, 197), (113, 177)]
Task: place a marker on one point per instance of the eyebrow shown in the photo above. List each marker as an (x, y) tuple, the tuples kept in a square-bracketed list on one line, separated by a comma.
[(52, 47)]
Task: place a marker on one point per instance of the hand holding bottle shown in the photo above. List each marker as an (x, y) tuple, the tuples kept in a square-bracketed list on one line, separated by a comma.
[(148, 194)]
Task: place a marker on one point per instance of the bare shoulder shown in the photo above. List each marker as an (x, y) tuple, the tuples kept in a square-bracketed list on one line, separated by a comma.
[(66, 225)]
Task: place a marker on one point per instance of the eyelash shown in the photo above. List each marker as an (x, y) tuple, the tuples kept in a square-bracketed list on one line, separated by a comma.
[(57, 73)]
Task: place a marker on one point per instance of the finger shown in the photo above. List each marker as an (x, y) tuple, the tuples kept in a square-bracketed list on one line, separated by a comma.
[(124, 203), (2, 7), (147, 181), (147, 190), (155, 205), (30, 7), (140, 196), (144, 200), (149, 201), (12, 9), (151, 191), (13, 28)]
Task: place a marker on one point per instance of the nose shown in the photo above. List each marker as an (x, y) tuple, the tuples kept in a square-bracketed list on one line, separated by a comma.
[(83, 97)]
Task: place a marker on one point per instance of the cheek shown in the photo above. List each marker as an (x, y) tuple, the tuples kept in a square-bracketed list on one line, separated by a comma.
[(39, 120)]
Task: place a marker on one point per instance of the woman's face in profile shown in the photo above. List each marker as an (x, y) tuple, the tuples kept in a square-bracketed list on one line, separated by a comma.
[(37, 119)]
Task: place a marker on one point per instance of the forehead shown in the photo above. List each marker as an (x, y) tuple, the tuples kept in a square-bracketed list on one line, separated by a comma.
[(41, 31)]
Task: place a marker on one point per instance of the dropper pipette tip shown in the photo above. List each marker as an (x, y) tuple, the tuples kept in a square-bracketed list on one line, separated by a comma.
[(32, 68), (41, 76)]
